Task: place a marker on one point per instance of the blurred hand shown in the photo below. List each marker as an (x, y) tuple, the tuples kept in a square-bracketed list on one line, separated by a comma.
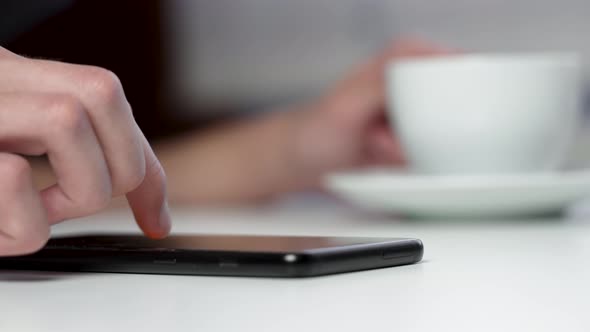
[(347, 127), (79, 117)]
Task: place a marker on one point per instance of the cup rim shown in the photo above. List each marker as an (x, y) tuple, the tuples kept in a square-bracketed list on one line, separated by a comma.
[(564, 58)]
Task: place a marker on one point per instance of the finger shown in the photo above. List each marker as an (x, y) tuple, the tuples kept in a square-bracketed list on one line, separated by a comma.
[(383, 148), (148, 201), (102, 95), (365, 86), (412, 47), (360, 97), (57, 125), (23, 223)]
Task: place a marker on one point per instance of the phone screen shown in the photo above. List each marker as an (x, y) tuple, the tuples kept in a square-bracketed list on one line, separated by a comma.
[(214, 243)]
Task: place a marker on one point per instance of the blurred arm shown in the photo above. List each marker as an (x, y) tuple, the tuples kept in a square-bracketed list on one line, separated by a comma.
[(242, 162), (291, 150)]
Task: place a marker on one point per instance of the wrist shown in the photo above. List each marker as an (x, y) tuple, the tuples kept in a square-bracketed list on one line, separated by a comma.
[(307, 149)]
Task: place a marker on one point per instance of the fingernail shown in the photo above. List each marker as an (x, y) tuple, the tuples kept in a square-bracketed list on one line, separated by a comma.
[(165, 221)]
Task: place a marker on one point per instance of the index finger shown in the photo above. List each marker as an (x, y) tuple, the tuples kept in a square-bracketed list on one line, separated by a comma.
[(149, 201)]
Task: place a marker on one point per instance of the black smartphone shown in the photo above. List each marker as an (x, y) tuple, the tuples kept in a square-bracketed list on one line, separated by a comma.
[(223, 255)]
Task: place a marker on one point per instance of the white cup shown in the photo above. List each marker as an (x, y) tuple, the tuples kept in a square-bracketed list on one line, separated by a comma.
[(486, 113)]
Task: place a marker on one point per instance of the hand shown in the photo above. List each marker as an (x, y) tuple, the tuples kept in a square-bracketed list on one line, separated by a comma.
[(79, 117), (251, 161), (347, 127)]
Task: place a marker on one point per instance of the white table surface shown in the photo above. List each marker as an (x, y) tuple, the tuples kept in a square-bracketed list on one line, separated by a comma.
[(519, 275)]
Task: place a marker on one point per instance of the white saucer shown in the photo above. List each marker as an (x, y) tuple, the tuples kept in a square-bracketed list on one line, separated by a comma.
[(461, 196)]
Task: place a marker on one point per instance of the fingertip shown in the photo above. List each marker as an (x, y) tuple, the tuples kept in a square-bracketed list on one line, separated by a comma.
[(165, 221), (156, 235), (156, 226)]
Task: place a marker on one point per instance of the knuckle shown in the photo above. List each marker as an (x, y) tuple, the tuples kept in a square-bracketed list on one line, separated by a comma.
[(15, 170), (156, 171), (102, 85), (67, 113), (131, 174), (130, 181)]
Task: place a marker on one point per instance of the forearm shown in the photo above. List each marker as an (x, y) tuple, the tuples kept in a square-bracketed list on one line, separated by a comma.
[(242, 162)]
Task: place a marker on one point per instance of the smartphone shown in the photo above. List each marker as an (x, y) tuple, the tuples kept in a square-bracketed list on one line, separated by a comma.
[(221, 255)]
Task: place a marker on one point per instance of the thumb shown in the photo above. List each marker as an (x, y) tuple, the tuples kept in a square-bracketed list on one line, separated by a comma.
[(383, 148)]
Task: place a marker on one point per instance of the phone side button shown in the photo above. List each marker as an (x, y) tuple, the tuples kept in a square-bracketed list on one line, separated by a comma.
[(165, 261), (228, 264), (394, 255)]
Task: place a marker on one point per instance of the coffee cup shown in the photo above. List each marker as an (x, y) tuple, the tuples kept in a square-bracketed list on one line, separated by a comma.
[(485, 113)]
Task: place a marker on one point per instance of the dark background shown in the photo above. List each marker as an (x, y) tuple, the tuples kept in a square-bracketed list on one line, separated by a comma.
[(124, 36)]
